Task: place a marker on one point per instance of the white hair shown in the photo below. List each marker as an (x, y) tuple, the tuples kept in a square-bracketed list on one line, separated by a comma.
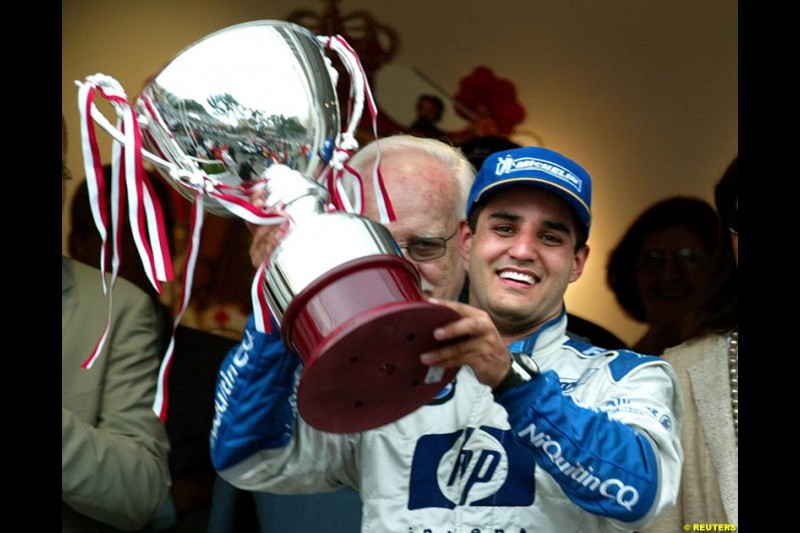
[(450, 157)]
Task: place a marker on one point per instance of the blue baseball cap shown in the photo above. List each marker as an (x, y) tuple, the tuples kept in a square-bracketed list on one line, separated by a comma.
[(537, 167)]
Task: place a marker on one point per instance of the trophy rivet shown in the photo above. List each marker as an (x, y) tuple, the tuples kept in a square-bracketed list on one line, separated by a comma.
[(386, 370)]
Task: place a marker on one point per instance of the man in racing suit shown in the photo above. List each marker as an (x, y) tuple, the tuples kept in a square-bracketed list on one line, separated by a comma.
[(558, 436)]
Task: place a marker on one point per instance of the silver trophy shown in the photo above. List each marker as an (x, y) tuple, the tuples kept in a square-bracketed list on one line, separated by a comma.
[(253, 108), (237, 102)]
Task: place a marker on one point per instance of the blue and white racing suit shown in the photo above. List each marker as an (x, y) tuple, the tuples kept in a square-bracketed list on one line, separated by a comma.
[(592, 444)]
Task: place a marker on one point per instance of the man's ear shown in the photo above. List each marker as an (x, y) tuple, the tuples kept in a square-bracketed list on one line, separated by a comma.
[(464, 240), (579, 262)]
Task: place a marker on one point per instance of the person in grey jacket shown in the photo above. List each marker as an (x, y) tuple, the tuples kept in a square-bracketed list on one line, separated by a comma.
[(114, 470)]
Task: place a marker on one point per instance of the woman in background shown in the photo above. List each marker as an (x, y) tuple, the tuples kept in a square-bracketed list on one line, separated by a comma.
[(708, 370), (661, 264)]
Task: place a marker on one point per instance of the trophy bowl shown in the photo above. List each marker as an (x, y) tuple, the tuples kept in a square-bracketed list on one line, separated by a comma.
[(238, 101)]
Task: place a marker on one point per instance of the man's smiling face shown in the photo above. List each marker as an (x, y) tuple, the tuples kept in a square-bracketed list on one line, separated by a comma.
[(522, 258)]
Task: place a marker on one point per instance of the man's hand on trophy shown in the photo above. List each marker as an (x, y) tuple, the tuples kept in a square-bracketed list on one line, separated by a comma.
[(265, 240), (265, 237), (473, 340)]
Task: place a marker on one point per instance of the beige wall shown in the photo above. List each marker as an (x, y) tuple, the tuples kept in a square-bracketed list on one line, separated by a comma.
[(643, 93)]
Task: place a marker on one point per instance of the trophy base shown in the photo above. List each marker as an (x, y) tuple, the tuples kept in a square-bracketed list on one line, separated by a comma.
[(360, 330)]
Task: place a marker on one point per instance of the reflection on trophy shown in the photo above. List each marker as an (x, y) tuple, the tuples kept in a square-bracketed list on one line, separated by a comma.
[(254, 107), (237, 102)]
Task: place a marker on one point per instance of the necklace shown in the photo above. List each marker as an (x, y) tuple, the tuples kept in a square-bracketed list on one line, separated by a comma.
[(733, 377)]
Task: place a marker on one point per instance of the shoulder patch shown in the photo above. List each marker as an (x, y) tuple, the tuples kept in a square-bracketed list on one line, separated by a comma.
[(627, 361)]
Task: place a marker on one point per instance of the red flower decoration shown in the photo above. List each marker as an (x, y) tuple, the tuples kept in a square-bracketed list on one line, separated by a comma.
[(482, 95)]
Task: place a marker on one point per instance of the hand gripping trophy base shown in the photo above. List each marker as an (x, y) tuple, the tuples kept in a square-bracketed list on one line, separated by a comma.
[(360, 329)]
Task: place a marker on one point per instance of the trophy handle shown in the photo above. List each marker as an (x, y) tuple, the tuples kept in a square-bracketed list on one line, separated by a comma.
[(358, 88)]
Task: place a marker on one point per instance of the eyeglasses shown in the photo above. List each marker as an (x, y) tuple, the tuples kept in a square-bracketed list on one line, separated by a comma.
[(733, 222), (426, 248), (687, 260)]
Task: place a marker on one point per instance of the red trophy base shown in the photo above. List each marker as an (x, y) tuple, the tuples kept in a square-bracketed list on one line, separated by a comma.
[(360, 330)]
